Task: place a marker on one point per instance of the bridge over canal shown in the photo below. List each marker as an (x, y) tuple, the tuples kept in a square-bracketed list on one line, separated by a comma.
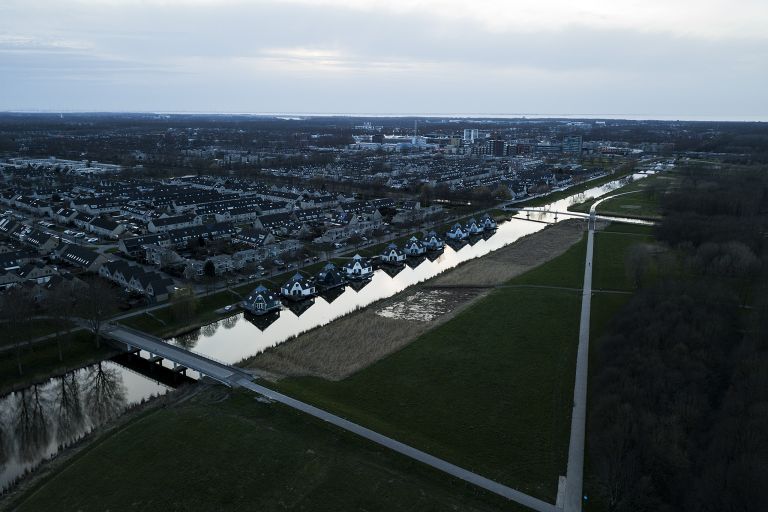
[(133, 339)]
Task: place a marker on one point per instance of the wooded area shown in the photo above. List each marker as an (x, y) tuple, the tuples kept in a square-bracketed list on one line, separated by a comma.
[(679, 401)]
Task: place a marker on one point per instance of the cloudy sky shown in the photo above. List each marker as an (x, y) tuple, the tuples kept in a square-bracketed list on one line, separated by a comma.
[(654, 58)]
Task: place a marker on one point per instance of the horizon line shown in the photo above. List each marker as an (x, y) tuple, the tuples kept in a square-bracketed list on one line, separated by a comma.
[(440, 115)]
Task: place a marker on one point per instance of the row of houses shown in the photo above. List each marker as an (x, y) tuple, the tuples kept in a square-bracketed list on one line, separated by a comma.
[(262, 301), (135, 279)]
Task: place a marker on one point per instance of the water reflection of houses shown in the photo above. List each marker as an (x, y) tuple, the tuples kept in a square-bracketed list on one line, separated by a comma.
[(362, 283), (301, 306), (262, 321), (391, 270)]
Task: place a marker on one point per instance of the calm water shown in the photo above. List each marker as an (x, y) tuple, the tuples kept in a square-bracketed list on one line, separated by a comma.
[(235, 338), (41, 420)]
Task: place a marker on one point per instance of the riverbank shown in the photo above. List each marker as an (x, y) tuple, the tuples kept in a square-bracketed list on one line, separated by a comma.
[(51, 468), (361, 338), (223, 449)]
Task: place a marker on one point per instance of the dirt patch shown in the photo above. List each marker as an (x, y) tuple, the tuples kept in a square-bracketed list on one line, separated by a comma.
[(359, 339)]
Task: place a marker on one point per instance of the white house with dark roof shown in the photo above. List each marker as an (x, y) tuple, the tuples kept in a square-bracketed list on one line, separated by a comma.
[(261, 301), (392, 255), (106, 227), (473, 227), (415, 247), (168, 223), (358, 268), (78, 256), (457, 232), (488, 223), (298, 287)]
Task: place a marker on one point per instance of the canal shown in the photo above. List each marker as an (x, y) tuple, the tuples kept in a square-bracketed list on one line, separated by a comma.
[(238, 337)]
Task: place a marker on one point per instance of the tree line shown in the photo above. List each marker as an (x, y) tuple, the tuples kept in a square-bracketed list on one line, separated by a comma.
[(679, 391)]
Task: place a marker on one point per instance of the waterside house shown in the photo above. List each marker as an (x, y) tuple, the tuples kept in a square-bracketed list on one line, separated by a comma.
[(392, 255), (358, 268), (299, 287), (261, 301)]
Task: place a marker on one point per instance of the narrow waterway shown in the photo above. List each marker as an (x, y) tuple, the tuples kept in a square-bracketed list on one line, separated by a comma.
[(41, 420), (237, 337)]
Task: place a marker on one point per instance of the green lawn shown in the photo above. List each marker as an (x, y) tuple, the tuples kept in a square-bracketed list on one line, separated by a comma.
[(489, 390), (610, 252), (224, 450), (31, 330), (567, 270)]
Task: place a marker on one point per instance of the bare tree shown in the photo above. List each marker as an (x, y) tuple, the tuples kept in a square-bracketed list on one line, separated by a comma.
[(16, 314), (61, 303), (96, 304)]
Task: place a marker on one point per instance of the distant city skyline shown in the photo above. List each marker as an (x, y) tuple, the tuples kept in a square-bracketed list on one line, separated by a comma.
[(621, 59)]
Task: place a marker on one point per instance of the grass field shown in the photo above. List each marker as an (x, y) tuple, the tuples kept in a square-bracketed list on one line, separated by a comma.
[(224, 450), (489, 390), (610, 250)]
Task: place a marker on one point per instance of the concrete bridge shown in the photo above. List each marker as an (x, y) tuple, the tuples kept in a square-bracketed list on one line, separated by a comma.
[(158, 349)]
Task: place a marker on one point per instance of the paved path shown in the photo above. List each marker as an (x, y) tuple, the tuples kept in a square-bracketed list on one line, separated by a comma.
[(574, 484), (403, 449)]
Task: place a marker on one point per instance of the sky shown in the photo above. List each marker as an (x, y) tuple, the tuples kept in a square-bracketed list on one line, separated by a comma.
[(664, 59)]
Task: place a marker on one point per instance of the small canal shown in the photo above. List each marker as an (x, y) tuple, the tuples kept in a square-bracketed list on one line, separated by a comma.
[(240, 336)]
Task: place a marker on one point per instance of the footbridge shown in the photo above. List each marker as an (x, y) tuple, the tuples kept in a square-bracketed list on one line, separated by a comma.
[(579, 215), (158, 349)]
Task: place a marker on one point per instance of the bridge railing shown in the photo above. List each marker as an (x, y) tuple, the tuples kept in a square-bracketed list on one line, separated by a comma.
[(156, 339)]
